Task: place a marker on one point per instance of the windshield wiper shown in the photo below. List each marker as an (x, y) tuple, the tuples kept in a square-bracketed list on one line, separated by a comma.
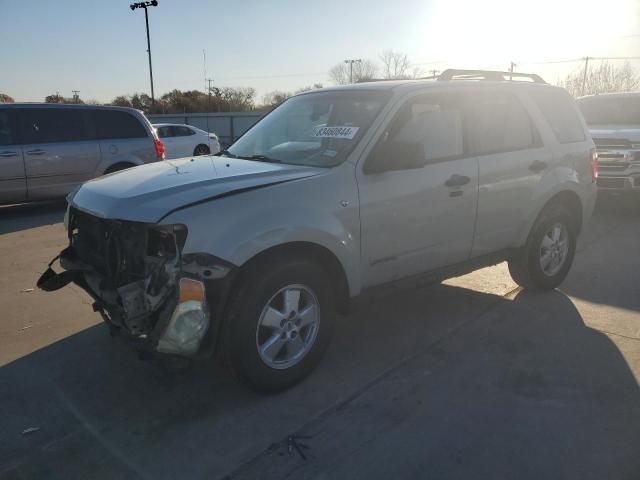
[(260, 158), (227, 153)]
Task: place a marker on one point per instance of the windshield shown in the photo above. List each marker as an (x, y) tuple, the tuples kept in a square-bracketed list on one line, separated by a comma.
[(316, 129), (610, 110)]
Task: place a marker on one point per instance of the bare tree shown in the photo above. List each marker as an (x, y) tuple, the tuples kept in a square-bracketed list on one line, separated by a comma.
[(276, 97), (395, 65), (362, 71), (4, 98), (604, 78)]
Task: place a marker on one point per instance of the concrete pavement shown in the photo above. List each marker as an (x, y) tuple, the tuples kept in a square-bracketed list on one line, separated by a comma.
[(471, 378)]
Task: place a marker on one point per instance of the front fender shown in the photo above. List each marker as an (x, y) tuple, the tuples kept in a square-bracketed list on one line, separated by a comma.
[(321, 210)]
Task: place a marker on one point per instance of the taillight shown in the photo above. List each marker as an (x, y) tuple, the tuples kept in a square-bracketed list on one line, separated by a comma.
[(594, 164), (159, 148)]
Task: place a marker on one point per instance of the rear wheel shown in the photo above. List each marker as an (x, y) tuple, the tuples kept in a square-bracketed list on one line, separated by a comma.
[(118, 167), (279, 324), (201, 150), (545, 260)]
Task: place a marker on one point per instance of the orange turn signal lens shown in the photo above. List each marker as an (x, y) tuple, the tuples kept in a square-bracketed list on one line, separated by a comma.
[(191, 290)]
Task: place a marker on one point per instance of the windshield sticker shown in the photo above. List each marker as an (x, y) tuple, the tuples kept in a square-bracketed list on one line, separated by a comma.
[(336, 132), (330, 153)]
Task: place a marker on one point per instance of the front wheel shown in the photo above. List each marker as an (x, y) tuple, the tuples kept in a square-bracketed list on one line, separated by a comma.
[(279, 324), (544, 262)]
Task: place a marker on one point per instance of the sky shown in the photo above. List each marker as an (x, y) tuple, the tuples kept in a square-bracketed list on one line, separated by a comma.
[(99, 47)]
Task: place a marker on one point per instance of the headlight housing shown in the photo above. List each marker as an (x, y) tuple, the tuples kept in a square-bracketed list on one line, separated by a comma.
[(189, 322)]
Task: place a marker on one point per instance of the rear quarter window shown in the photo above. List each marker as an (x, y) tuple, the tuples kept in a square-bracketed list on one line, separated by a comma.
[(560, 112), (114, 124)]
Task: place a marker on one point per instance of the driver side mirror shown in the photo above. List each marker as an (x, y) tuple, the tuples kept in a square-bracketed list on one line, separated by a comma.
[(395, 155)]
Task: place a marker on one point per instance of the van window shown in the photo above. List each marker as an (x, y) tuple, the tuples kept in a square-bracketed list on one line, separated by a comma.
[(7, 129), (114, 124), (53, 125), (430, 125), (498, 122), (558, 109)]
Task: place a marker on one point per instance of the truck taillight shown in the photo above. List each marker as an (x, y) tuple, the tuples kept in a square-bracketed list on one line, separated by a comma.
[(159, 148), (594, 164)]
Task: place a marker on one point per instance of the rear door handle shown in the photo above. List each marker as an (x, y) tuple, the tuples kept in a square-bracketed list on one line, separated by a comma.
[(456, 180), (7, 154), (538, 166), (36, 152)]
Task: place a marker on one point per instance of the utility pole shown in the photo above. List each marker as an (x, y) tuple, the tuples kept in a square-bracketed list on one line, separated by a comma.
[(76, 96), (434, 73), (351, 62), (209, 80), (511, 67), (584, 77), (145, 5)]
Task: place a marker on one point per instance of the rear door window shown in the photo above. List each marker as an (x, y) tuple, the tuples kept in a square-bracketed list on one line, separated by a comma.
[(114, 124), (498, 122), (558, 109), (182, 131), (165, 132), (8, 134), (54, 125)]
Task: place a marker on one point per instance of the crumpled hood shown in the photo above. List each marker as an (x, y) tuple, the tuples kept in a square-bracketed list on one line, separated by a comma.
[(149, 192)]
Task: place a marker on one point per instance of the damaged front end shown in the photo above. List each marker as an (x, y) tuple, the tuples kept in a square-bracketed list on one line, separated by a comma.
[(141, 282)]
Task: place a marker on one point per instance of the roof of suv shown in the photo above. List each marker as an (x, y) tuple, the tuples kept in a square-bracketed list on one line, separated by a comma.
[(410, 85)]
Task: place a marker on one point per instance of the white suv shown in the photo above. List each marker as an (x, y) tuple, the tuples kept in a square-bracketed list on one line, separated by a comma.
[(250, 254)]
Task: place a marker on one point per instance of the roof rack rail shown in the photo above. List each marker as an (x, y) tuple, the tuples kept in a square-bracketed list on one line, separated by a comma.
[(492, 75)]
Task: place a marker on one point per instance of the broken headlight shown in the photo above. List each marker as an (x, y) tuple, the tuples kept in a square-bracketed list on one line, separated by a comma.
[(189, 321)]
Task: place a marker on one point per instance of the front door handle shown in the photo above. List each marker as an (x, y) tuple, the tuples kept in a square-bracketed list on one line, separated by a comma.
[(36, 152), (7, 154), (538, 166), (456, 180)]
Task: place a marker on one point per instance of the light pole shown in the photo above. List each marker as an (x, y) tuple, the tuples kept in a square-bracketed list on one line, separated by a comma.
[(145, 5), (351, 62)]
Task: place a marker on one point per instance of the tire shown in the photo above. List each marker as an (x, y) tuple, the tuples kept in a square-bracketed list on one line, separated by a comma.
[(247, 329), (118, 167), (526, 268), (201, 150)]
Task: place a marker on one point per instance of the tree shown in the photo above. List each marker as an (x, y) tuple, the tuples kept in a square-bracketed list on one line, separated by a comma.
[(55, 98), (308, 88), (604, 78), (276, 97), (4, 98), (395, 65), (364, 70)]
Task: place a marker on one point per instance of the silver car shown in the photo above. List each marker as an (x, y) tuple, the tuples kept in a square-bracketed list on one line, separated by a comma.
[(614, 121), (334, 195), (47, 150)]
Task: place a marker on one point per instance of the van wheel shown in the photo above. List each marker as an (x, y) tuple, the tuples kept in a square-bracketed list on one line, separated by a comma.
[(201, 150), (545, 260), (279, 324)]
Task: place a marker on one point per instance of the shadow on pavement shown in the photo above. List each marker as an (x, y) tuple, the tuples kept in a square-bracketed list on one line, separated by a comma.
[(606, 270), (526, 392), (440, 382), (14, 218)]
